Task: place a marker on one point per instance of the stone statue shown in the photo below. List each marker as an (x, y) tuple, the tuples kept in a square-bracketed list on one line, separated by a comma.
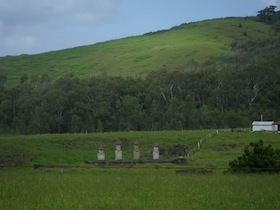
[(118, 151), (136, 152), (101, 154), (156, 152)]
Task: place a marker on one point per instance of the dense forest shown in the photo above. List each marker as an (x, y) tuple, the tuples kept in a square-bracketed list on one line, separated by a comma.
[(226, 92)]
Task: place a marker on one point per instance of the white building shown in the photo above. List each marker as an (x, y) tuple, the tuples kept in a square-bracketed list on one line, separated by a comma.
[(264, 126)]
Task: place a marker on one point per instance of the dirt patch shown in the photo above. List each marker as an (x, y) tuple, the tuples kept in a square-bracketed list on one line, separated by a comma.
[(225, 147), (174, 151), (67, 144), (16, 159), (194, 171)]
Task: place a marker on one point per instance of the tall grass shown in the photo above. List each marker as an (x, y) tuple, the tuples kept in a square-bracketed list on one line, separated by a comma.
[(135, 189)]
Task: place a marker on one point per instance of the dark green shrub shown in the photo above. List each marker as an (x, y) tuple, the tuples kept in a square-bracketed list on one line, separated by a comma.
[(257, 158)]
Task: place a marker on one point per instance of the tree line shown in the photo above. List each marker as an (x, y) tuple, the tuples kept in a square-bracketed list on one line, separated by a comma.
[(269, 15), (226, 92)]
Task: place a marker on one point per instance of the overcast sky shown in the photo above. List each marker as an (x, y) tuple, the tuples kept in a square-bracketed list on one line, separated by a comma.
[(36, 26)]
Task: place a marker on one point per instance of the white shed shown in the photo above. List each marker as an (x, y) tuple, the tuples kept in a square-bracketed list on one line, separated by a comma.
[(263, 126)]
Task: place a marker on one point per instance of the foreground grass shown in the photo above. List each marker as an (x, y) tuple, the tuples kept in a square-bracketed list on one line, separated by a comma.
[(146, 186), (23, 188)]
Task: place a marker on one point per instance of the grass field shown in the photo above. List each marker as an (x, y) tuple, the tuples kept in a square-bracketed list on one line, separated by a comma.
[(218, 151), (145, 186), (76, 148), (135, 189), (136, 56)]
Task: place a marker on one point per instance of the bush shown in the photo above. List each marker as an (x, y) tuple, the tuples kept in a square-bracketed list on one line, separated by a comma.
[(257, 158)]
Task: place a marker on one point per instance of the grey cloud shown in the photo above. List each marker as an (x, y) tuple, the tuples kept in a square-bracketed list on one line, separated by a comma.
[(24, 24), (34, 11), (272, 2)]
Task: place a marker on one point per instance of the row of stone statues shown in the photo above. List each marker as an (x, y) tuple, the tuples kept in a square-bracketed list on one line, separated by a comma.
[(136, 152)]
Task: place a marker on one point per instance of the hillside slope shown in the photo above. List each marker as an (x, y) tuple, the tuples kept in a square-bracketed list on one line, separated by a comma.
[(76, 148), (136, 56)]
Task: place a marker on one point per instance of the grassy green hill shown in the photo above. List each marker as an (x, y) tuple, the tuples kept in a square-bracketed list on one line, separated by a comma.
[(135, 56), (215, 152)]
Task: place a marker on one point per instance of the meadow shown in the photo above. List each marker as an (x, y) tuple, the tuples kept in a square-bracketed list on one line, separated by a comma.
[(77, 148), (144, 186), (135, 189)]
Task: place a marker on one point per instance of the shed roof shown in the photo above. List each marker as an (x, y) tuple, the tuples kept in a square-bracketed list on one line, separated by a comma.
[(263, 123)]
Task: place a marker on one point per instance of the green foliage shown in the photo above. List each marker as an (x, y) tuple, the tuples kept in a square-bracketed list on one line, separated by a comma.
[(235, 120), (257, 158), (270, 16), (3, 80), (267, 15)]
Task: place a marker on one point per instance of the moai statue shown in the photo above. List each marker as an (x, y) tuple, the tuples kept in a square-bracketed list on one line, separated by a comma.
[(101, 154), (136, 152), (118, 151), (156, 152)]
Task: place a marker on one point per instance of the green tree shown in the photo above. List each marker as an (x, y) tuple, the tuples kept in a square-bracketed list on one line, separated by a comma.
[(234, 120), (102, 114), (23, 78), (266, 15), (129, 114), (99, 128), (257, 158), (3, 80), (174, 115), (76, 123), (6, 115), (55, 103), (39, 122)]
